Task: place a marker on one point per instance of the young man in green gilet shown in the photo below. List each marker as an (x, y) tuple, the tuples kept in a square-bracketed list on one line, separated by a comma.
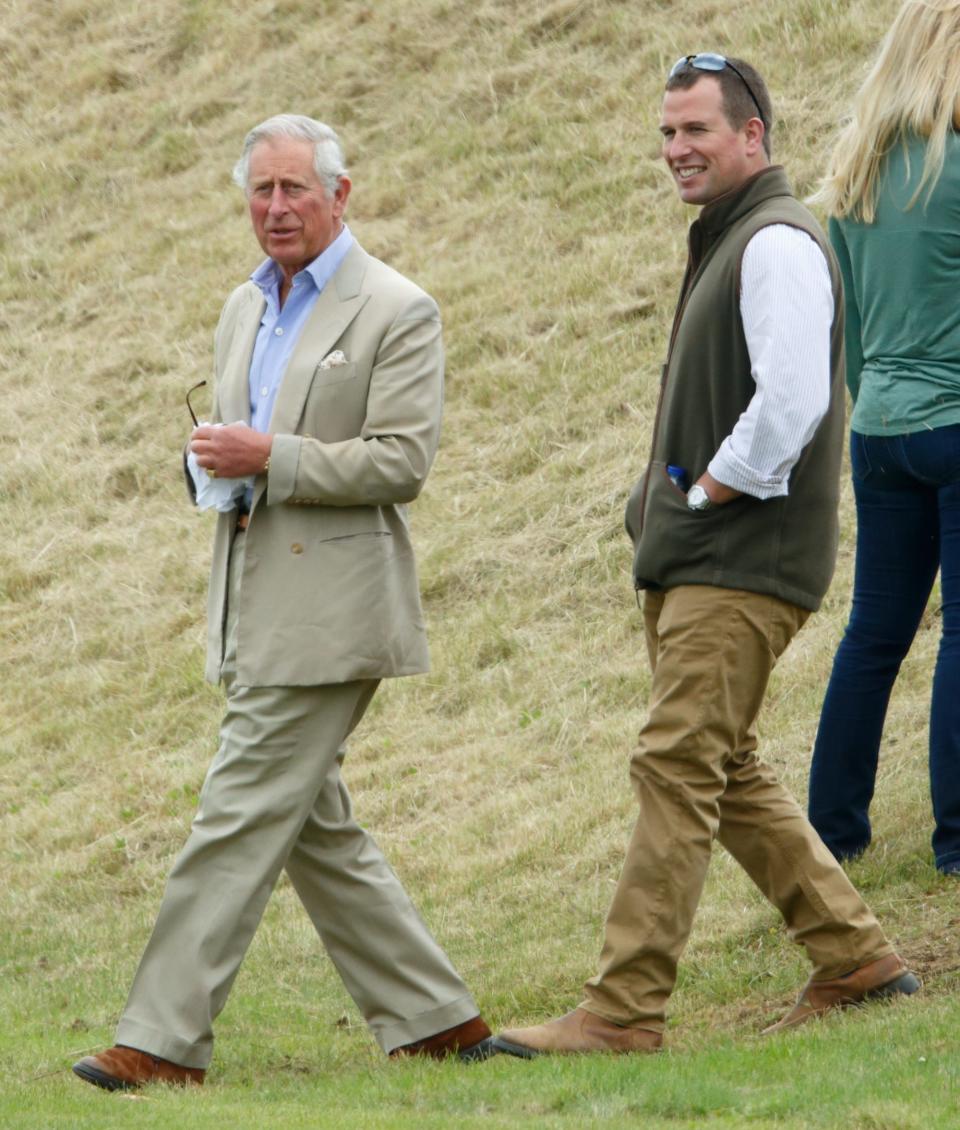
[(734, 528)]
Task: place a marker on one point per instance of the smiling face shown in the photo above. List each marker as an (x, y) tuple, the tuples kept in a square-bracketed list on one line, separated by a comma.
[(293, 216), (706, 155)]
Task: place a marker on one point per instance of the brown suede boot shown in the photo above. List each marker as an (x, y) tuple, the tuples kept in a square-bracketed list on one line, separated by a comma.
[(469, 1041), (123, 1069), (886, 977), (578, 1031)]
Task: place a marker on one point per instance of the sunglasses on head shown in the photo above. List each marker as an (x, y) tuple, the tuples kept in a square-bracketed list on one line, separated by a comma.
[(709, 61)]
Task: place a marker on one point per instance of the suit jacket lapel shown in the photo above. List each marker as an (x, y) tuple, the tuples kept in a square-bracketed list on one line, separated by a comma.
[(338, 304), (234, 391)]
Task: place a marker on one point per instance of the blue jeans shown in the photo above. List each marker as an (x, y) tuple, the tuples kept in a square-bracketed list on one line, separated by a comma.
[(907, 490)]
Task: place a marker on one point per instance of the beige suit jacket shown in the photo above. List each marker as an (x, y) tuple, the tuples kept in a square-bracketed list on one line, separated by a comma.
[(329, 587)]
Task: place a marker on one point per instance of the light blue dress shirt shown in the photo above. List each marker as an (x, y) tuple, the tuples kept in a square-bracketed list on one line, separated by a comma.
[(280, 328)]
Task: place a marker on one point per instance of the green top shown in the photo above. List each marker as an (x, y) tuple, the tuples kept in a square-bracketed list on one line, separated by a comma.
[(901, 275)]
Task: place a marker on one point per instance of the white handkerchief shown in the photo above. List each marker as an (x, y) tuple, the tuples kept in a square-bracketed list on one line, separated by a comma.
[(216, 494), (332, 360)]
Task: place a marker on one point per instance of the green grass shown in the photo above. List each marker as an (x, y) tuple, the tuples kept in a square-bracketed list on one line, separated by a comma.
[(886, 1069), (506, 157)]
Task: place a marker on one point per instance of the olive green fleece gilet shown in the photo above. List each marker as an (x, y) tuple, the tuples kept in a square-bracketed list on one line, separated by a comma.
[(784, 546)]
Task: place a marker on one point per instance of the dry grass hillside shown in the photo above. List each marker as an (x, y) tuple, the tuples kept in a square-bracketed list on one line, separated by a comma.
[(505, 156)]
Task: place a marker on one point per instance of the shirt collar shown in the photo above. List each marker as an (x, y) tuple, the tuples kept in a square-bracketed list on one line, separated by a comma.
[(268, 275)]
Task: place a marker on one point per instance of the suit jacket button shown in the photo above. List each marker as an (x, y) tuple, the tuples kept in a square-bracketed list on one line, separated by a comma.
[(296, 547)]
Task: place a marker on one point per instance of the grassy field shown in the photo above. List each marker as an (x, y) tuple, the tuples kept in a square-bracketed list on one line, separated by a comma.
[(506, 157)]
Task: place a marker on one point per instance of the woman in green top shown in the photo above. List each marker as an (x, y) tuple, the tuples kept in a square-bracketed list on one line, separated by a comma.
[(893, 195)]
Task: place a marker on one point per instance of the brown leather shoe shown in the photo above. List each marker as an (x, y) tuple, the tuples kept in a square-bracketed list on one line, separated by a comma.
[(469, 1041), (886, 977), (578, 1031), (123, 1069)]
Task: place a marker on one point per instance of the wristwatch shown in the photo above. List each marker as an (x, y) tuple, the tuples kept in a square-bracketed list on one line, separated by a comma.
[(698, 499)]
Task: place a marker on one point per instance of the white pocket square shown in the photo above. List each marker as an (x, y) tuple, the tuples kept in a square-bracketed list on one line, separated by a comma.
[(333, 360)]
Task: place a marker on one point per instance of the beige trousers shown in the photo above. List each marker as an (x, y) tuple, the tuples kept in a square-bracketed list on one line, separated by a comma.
[(697, 777), (273, 799)]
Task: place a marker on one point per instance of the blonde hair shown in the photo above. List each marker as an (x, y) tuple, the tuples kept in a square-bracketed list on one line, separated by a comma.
[(913, 88)]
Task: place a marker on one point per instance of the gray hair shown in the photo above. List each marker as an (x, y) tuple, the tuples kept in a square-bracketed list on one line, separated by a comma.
[(327, 154)]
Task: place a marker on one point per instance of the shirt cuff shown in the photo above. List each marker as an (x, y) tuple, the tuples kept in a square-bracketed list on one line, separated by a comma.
[(726, 468)]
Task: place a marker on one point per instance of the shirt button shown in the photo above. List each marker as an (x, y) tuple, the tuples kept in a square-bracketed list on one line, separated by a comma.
[(264, 391), (279, 331), (296, 547)]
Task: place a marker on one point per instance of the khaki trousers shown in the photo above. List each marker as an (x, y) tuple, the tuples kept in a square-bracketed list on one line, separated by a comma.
[(273, 799), (697, 777)]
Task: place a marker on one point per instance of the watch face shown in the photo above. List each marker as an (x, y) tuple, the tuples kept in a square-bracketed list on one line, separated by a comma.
[(697, 498)]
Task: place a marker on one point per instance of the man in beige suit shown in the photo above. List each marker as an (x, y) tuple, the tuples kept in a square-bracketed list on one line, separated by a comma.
[(329, 369)]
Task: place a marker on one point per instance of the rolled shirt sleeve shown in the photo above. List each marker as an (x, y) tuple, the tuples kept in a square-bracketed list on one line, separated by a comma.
[(786, 306)]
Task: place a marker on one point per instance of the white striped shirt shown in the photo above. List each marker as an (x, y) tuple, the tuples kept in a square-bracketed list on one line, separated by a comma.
[(786, 306)]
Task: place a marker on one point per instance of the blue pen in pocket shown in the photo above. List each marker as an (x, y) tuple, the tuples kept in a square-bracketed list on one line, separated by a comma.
[(678, 476)]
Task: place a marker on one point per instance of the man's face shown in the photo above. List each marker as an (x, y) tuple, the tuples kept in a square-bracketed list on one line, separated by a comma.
[(293, 217), (706, 155)]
